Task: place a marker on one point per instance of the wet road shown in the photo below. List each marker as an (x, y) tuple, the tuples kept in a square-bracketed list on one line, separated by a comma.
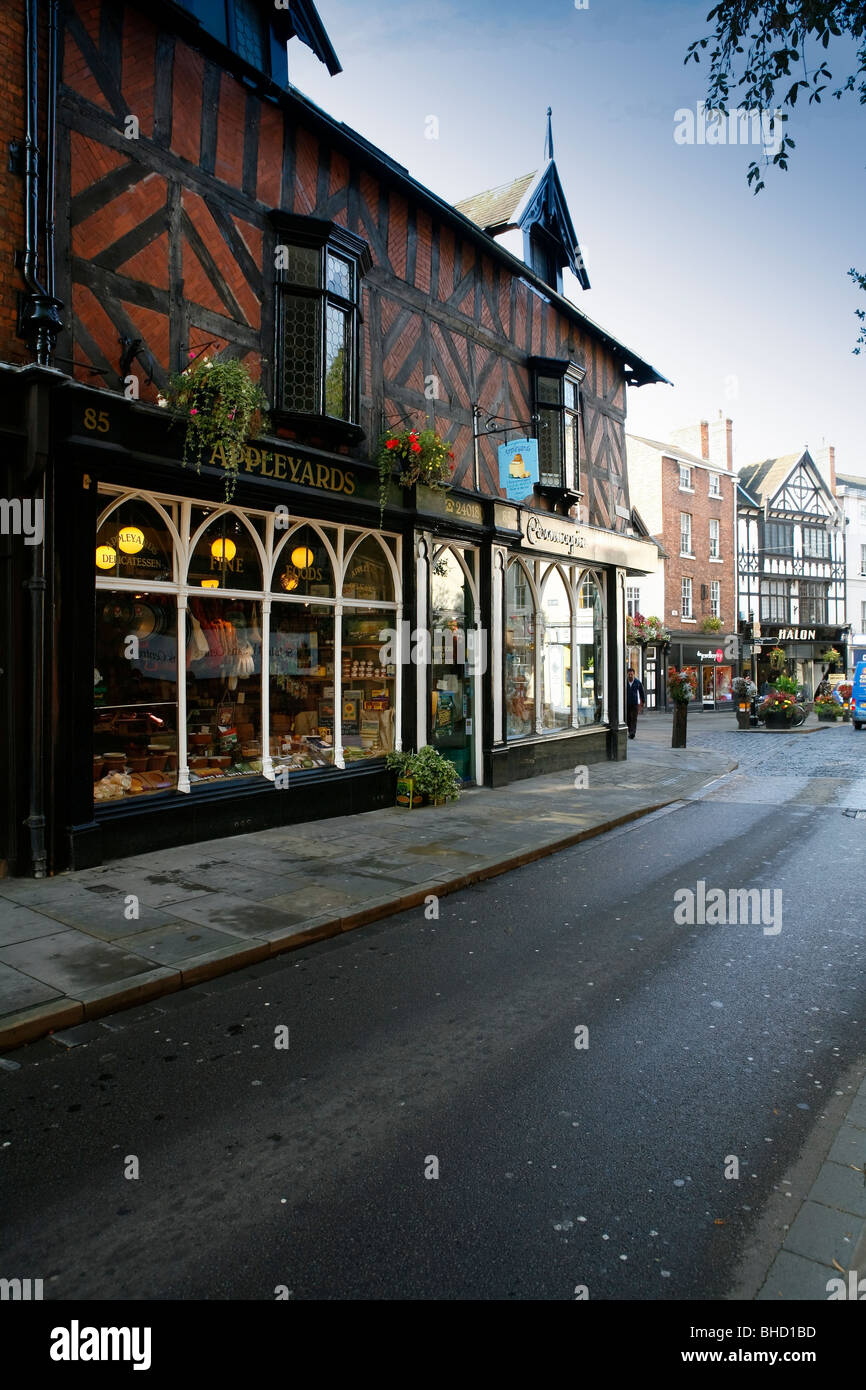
[(419, 1047)]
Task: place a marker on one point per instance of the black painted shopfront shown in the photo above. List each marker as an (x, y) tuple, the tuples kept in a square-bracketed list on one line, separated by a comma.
[(212, 667)]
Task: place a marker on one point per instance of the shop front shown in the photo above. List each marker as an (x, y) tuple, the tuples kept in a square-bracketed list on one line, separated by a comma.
[(710, 668), (809, 653)]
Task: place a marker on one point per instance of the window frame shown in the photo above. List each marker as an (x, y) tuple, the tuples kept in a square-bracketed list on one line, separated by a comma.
[(775, 601), (715, 598), (786, 532), (686, 472), (687, 598), (813, 592), (568, 417), (686, 534), (825, 551), (715, 485), (715, 538), (324, 237)]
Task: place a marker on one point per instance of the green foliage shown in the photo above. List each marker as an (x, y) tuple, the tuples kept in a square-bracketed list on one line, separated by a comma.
[(786, 683), (711, 625), (772, 49), (221, 408), (433, 775)]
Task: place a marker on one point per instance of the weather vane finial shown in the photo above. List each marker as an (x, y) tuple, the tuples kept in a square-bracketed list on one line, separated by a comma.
[(548, 142)]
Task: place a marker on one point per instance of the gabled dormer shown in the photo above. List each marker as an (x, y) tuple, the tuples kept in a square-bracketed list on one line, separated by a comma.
[(530, 218), (258, 31)]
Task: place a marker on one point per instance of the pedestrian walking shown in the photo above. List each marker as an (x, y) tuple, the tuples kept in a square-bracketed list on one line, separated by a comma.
[(635, 701)]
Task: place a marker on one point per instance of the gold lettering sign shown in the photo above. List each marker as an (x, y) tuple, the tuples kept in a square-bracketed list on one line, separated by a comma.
[(287, 468)]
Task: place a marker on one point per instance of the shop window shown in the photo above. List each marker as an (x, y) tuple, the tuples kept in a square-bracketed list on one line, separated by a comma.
[(225, 555), (135, 542), (556, 664), (519, 653), (368, 574), (224, 689), (589, 652), (135, 695), (368, 688), (319, 269), (302, 685), (556, 395), (303, 566)]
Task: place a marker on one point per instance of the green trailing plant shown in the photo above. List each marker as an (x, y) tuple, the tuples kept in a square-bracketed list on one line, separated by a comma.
[(220, 407), (711, 625), (434, 776), (831, 656), (423, 456), (777, 658), (786, 684)]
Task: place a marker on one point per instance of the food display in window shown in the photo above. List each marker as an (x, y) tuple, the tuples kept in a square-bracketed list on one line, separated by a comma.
[(223, 689)]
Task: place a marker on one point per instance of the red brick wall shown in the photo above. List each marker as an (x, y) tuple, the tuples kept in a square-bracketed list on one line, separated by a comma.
[(701, 507), (12, 349)]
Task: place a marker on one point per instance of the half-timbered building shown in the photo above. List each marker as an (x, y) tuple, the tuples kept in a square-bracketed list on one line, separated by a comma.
[(791, 562), (184, 666)]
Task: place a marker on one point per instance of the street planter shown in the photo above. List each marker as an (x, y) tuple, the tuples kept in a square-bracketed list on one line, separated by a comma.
[(681, 714), (777, 719)]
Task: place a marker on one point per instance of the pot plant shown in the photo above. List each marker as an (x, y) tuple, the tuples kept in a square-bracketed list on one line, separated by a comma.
[(711, 625), (221, 407), (831, 656), (846, 690), (827, 710), (681, 692), (432, 776), (423, 457)]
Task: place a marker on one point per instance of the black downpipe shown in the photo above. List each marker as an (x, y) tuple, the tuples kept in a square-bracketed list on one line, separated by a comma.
[(43, 322)]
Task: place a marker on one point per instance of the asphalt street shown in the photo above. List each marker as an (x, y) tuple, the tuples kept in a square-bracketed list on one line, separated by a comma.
[(432, 1131)]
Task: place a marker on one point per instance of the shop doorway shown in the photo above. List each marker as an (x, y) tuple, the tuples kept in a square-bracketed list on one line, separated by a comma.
[(454, 654)]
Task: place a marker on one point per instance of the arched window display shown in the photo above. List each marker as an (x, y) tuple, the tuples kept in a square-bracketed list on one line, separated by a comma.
[(556, 666), (303, 566), (224, 688), (590, 651), (367, 703), (134, 695), (135, 541), (246, 614), (519, 653), (225, 555), (452, 693)]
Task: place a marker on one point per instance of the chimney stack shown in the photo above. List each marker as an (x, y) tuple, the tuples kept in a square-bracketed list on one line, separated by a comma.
[(705, 440)]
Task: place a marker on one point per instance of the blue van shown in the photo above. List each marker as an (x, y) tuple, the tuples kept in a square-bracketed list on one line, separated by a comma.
[(858, 696)]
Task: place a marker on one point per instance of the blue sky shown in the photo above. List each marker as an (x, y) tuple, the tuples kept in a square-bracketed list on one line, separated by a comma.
[(742, 301)]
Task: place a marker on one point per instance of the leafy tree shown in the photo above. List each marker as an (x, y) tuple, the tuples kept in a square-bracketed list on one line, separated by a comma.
[(772, 49)]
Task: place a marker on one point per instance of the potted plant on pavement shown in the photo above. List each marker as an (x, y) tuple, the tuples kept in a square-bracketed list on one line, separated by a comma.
[(432, 777), (744, 692), (846, 690), (827, 710), (681, 692), (777, 709)]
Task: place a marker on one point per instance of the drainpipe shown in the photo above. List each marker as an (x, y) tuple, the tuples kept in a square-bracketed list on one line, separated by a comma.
[(43, 323)]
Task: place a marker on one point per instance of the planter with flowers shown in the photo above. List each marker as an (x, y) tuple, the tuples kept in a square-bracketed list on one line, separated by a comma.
[(827, 709), (423, 457), (681, 692), (777, 710), (711, 625), (831, 656), (846, 690), (221, 407), (744, 692)]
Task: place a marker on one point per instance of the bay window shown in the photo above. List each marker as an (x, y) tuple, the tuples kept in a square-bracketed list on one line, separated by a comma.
[(556, 398)]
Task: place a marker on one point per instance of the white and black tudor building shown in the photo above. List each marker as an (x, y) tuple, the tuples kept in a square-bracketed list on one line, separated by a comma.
[(791, 567)]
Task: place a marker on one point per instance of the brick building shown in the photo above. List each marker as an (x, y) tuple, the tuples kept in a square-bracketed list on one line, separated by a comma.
[(177, 658), (684, 491)]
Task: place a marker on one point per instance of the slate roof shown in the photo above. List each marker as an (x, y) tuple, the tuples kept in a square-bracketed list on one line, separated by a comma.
[(851, 480), (673, 451), (495, 209), (763, 480)]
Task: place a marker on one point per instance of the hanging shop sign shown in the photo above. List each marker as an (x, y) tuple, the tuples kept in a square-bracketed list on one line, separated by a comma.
[(518, 468)]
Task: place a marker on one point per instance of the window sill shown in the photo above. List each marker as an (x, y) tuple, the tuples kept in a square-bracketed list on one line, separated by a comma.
[(689, 620), (686, 489), (308, 428), (716, 560), (687, 555)]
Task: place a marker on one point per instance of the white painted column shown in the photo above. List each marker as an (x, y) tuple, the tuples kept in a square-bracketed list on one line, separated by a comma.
[(267, 761), (423, 557), (497, 598), (182, 765)]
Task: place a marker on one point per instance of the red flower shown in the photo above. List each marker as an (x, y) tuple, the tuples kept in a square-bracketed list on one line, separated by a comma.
[(392, 443), (452, 467), (451, 453), (416, 448)]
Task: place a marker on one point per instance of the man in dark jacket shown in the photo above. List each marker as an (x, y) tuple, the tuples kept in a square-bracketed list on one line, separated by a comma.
[(635, 700)]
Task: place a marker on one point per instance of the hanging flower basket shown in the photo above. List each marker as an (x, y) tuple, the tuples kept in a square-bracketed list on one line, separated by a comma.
[(640, 631), (777, 658), (221, 407), (831, 656), (423, 456)]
